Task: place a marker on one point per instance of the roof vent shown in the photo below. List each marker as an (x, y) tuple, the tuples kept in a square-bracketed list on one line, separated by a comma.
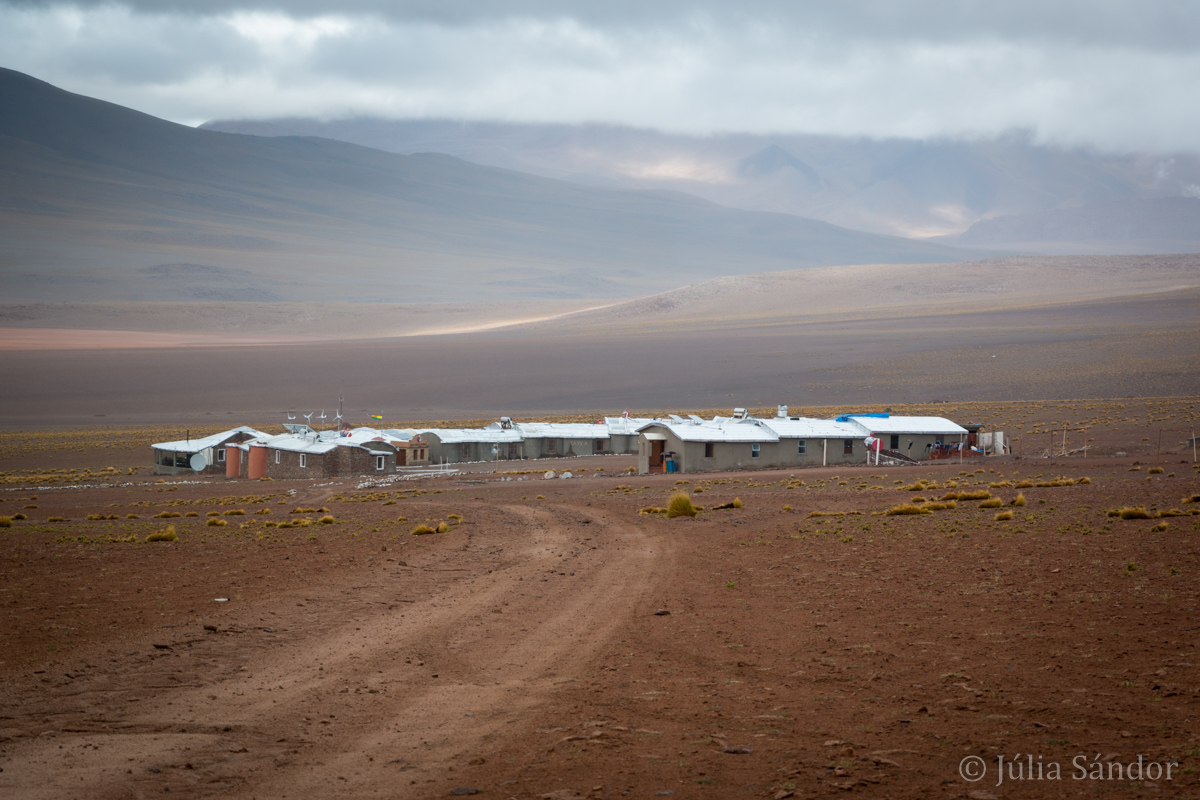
[(782, 412), (739, 413)]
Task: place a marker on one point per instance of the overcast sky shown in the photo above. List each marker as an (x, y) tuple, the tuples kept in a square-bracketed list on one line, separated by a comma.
[(1116, 75)]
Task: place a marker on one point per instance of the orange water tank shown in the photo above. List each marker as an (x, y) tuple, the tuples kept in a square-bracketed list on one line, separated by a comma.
[(257, 466), (233, 462)]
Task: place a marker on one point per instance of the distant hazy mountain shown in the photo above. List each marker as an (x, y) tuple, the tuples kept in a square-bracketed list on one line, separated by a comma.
[(895, 186), (1160, 225), (101, 202)]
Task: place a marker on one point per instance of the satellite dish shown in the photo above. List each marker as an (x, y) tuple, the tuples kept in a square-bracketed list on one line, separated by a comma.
[(198, 462)]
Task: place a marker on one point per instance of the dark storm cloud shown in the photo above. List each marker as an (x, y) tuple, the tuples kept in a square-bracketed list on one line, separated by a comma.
[(1115, 74)]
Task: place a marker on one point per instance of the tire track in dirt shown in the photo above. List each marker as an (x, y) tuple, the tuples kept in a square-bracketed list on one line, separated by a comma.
[(391, 703)]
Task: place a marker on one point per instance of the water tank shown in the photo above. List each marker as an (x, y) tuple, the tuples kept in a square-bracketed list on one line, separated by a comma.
[(257, 465), (233, 462)]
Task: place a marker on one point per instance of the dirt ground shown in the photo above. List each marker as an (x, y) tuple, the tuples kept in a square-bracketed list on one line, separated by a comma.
[(557, 641)]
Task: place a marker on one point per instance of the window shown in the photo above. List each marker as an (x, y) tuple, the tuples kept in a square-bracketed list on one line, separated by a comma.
[(600, 445), (801, 446), (466, 450), (754, 450), (895, 444), (848, 447), (380, 461), (304, 459), (551, 446), (220, 455), (276, 456), (708, 449)]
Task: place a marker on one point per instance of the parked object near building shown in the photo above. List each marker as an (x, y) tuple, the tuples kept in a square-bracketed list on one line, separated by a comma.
[(206, 456)]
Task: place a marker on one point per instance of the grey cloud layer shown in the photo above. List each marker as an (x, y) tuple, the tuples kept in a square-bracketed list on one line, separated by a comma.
[(1116, 75)]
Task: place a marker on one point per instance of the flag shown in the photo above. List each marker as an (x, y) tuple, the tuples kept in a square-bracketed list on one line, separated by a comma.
[(377, 416)]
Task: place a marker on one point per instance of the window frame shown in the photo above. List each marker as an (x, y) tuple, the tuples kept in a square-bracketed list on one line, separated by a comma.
[(755, 450), (304, 461), (710, 449), (220, 455), (802, 447), (847, 447), (277, 456), (380, 462)]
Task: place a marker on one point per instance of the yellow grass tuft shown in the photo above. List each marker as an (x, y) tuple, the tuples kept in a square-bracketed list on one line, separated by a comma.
[(422, 530), (1003, 516), (1134, 512), (167, 535), (680, 505), (215, 522), (906, 509), (652, 510), (1019, 500), (1160, 527), (1155, 471), (1025, 485), (994, 502), (326, 520), (5, 522)]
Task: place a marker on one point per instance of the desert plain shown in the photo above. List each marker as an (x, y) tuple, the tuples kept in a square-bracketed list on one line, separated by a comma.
[(563, 638)]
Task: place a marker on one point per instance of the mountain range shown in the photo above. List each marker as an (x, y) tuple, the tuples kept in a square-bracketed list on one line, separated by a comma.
[(917, 188), (100, 202)]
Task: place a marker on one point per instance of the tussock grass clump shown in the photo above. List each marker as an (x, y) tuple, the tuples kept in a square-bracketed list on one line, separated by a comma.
[(1160, 527), (216, 522), (5, 522), (443, 527), (422, 530), (213, 514), (304, 511), (978, 494), (1134, 512), (1135, 469), (167, 514), (735, 503), (652, 510), (1055, 482), (787, 508), (192, 514), (1000, 484), (541, 497), (56, 519), (835, 514), (168, 535), (1192, 499), (680, 505), (326, 520), (19, 516), (1085, 480), (1003, 516), (401, 519), (454, 517), (918, 486), (263, 511), (131, 516), (1019, 500), (1025, 485), (1155, 471), (906, 509), (938, 505), (235, 512), (994, 502)]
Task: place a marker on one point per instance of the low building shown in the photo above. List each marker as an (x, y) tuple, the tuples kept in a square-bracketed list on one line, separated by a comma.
[(563, 439), (916, 438), (703, 446), (302, 452), (205, 456)]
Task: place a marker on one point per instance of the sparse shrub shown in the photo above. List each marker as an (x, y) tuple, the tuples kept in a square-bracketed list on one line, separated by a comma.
[(167, 514), (940, 506), (1000, 484), (216, 522), (443, 527), (19, 516), (93, 517), (1085, 479), (906, 509), (737, 502), (1019, 500), (192, 514), (680, 505), (422, 530), (979, 494), (5, 522), (213, 514), (167, 535), (652, 510), (1192, 499), (1160, 527), (1135, 469), (401, 519), (994, 502), (263, 511), (1003, 515), (326, 520), (30, 506), (1025, 485), (1135, 512), (541, 497), (1155, 471), (56, 519), (1171, 512), (787, 508), (235, 512), (454, 517)]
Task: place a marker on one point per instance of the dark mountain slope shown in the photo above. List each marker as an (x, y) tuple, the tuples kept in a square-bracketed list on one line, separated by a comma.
[(92, 194)]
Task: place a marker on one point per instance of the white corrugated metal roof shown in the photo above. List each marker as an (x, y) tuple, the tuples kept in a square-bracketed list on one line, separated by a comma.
[(298, 444), (625, 426), (717, 432), (562, 430), (894, 424), (196, 445), (809, 428), (466, 435)]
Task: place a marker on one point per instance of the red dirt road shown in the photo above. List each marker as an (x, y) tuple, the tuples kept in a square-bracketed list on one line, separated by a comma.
[(520, 653)]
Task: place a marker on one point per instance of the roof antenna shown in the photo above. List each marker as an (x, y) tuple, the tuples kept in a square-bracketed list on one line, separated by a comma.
[(322, 417), (308, 418), (291, 416)]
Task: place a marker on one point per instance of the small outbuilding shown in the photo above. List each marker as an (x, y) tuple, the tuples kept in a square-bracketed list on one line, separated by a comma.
[(205, 456)]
